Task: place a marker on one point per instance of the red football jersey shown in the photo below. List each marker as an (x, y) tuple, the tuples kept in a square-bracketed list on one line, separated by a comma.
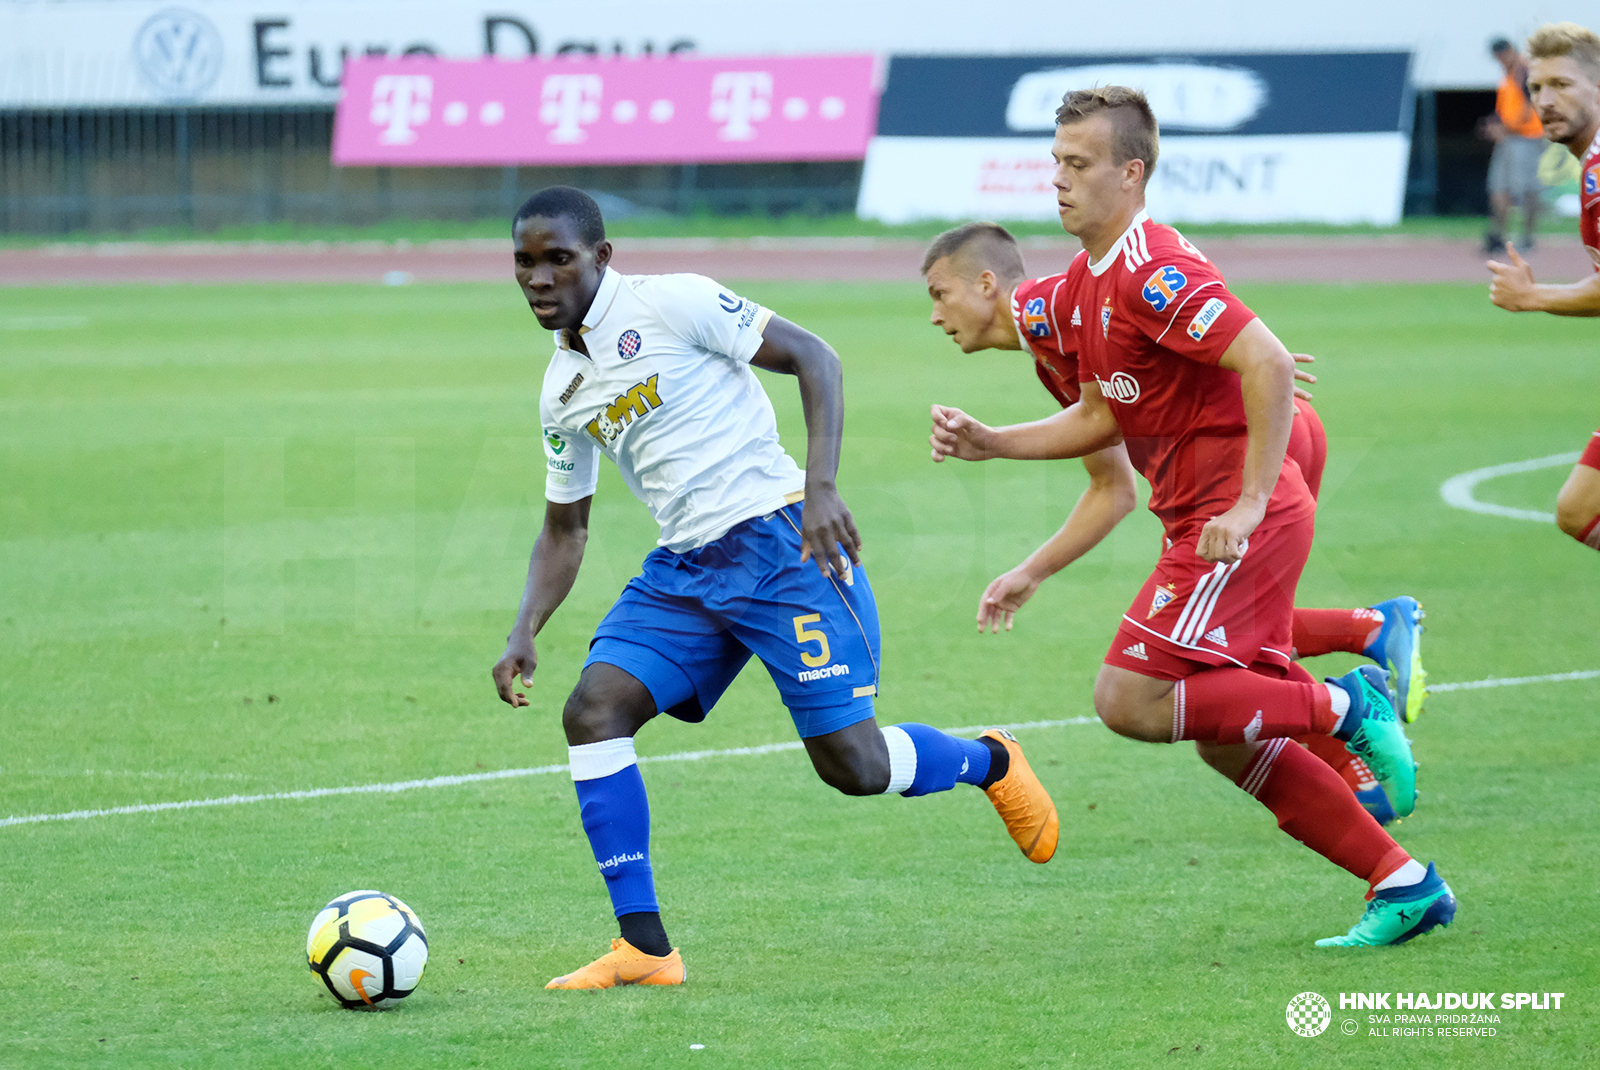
[(1589, 220), (1155, 317), (1037, 306)]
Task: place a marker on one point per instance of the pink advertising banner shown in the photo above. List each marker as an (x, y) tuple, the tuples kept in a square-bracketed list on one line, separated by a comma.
[(489, 112)]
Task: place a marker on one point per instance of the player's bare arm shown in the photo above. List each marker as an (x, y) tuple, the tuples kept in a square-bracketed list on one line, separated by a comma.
[(826, 523), (1513, 287), (1266, 378), (1110, 496), (1075, 431), (552, 568)]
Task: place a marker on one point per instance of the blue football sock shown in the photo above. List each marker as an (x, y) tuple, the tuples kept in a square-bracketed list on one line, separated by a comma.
[(943, 760), (616, 816)]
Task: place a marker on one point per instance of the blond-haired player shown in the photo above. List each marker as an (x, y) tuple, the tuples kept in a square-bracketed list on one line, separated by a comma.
[(983, 299), (1174, 366), (1564, 82)]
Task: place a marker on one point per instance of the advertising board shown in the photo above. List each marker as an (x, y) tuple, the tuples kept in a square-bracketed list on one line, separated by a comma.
[(1245, 138), (424, 111)]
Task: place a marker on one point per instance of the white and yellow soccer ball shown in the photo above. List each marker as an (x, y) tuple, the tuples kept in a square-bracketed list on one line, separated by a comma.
[(368, 948)]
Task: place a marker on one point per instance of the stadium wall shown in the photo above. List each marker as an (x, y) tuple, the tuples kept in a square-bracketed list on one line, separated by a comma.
[(99, 52), (98, 133)]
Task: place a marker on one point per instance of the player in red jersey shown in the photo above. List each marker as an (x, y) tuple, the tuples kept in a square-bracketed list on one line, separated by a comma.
[(1564, 83), (1179, 370), (982, 300)]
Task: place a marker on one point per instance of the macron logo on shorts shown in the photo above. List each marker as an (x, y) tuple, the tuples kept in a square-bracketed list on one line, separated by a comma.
[(806, 676)]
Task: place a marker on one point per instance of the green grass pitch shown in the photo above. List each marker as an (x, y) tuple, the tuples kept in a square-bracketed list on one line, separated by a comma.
[(270, 538)]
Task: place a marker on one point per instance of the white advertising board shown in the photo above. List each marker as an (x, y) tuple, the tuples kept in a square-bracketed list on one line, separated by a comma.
[(1275, 178), (56, 53)]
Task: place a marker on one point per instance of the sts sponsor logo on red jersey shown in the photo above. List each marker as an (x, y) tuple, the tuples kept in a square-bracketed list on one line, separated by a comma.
[(1033, 318), (1591, 181), (1161, 287)]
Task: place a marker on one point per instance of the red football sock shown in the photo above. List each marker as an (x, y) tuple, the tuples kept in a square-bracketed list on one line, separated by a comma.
[(1239, 706), (1590, 536), (1314, 806), (1333, 631), (1330, 750), (1351, 769)]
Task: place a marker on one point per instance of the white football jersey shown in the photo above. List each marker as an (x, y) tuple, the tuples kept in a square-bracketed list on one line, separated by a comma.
[(668, 394)]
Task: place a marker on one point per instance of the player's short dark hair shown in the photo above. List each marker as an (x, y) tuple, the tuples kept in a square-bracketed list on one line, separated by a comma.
[(1567, 39), (565, 202), (1136, 134), (979, 247), (1499, 45)]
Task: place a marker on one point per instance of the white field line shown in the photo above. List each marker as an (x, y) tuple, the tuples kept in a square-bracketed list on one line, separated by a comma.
[(1457, 490), (1515, 681), (680, 756), (464, 778)]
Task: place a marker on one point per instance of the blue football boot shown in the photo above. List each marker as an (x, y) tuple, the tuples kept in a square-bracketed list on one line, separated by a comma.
[(1375, 801), (1396, 915), (1398, 649)]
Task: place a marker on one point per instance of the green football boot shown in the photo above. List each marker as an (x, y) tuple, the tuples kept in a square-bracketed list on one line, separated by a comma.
[(1396, 915), (1371, 732)]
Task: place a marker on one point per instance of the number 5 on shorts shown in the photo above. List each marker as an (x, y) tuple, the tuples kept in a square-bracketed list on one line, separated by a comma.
[(802, 634)]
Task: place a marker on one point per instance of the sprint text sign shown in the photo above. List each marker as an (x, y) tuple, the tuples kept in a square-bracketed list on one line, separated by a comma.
[(426, 111), (1256, 138)]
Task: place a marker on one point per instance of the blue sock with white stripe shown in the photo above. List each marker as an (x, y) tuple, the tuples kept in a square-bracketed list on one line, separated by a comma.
[(616, 815), (923, 760)]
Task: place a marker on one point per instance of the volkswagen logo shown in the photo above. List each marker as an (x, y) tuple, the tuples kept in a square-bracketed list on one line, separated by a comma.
[(179, 53)]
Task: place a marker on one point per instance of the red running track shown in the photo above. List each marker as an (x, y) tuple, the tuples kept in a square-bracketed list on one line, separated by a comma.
[(1251, 259)]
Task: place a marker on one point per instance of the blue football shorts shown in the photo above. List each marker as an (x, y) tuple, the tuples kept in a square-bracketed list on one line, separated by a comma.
[(688, 623)]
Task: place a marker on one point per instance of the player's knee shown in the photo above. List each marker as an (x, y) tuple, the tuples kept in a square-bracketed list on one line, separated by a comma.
[(851, 770), (1574, 515), (1124, 710), (856, 779), (593, 714), (582, 716)]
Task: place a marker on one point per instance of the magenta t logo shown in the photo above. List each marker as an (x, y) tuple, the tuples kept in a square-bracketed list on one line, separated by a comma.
[(569, 102), (739, 100), (399, 102)]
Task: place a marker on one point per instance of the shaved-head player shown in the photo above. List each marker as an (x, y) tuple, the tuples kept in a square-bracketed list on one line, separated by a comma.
[(1178, 369), (982, 299)]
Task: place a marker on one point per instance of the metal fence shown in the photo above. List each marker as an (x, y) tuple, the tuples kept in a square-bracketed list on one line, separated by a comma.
[(109, 171), (121, 170)]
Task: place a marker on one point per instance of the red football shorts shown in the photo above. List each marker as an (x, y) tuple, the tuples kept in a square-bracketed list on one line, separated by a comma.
[(1308, 444), (1591, 455), (1193, 614)]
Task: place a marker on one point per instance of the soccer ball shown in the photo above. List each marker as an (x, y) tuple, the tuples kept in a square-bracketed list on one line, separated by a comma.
[(368, 948)]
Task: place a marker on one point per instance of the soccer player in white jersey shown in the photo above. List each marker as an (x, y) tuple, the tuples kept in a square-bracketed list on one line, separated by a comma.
[(653, 372)]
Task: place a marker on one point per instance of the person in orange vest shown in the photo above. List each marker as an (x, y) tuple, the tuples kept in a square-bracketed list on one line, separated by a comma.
[(1518, 143)]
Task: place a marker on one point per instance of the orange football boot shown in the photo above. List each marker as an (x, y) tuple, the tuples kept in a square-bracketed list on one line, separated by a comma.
[(625, 964), (1023, 803)]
